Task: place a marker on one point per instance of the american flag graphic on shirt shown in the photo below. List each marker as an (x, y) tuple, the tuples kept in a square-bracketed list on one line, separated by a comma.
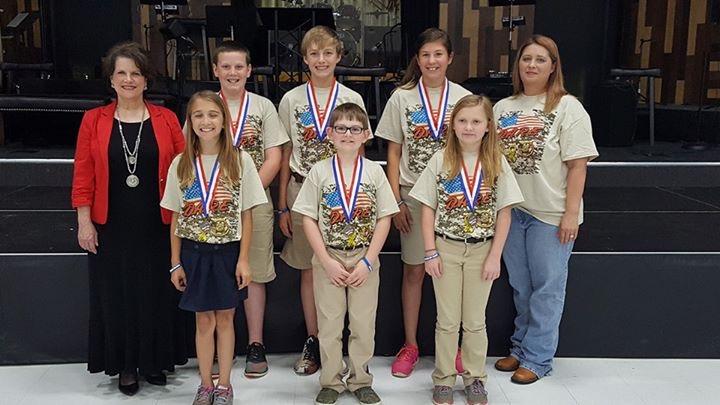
[(252, 140), (363, 220), (453, 214), (312, 150), (523, 137), (421, 145), (222, 224)]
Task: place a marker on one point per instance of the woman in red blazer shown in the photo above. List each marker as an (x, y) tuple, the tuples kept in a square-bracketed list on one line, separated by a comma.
[(121, 162)]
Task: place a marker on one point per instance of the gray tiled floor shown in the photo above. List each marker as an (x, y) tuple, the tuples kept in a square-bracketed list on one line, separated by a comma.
[(575, 381)]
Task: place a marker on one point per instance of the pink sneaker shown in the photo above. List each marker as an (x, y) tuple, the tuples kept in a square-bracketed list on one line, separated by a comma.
[(405, 361), (458, 363)]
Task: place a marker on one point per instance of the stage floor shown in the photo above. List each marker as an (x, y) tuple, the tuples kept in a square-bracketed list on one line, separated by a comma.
[(575, 381)]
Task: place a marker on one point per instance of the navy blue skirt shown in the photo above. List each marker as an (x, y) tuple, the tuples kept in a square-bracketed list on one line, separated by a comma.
[(210, 276)]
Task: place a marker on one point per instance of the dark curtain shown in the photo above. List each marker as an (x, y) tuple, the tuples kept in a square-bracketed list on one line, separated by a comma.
[(416, 16)]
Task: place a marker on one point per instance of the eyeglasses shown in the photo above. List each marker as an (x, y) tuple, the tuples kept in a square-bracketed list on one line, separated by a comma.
[(342, 130)]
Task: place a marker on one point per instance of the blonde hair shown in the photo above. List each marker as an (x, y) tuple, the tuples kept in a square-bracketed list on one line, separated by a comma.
[(413, 73), (320, 36), (489, 153), (555, 88), (227, 157)]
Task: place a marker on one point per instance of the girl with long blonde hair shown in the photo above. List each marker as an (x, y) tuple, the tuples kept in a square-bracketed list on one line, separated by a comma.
[(465, 221)]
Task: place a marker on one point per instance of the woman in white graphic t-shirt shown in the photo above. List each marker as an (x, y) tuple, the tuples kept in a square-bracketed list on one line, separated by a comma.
[(546, 136)]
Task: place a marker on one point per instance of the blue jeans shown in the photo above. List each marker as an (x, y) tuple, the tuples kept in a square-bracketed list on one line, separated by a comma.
[(537, 265)]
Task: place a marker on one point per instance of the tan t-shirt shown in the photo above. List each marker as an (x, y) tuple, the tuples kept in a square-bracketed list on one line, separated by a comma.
[(296, 117), (537, 144), (445, 195), (405, 122), (320, 200), (224, 223), (262, 128)]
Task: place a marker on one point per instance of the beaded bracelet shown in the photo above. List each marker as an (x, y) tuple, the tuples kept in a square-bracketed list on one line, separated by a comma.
[(432, 256), (367, 263), (175, 267)]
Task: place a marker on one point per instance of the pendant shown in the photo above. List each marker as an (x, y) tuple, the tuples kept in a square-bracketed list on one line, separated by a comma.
[(348, 229), (132, 160), (132, 180), (219, 227)]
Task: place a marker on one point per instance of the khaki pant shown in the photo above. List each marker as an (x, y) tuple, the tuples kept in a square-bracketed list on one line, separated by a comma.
[(262, 267), (461, 295), (297, 252), (412, 246), (332, 303)]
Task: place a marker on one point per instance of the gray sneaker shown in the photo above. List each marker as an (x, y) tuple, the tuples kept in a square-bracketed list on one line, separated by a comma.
[(367, 396), (442, 395), (476, 393), (223, 396), (204, 396), (327, 396)]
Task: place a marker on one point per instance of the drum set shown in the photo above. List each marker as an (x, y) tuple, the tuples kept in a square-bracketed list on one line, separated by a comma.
[(351, 20)]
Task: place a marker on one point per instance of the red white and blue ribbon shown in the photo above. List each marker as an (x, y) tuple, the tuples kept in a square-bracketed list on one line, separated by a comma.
[(239, 123), (348, 197), (207, 187), (435, 120), (471, 188), (320, 120)]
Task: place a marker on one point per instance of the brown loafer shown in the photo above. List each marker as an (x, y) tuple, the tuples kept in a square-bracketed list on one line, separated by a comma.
[(508, 363), (524, 376)]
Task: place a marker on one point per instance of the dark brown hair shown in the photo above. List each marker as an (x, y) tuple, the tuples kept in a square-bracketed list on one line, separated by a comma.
[(412, 73), (132, 51)]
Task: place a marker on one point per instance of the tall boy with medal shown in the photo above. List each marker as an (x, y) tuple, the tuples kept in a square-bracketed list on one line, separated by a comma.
[(256, 130), (304, 112), (346, 204)]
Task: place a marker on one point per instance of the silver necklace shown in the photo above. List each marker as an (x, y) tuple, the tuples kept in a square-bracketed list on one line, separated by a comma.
[(131, 158)]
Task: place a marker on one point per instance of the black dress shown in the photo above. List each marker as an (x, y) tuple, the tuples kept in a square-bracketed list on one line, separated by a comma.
[(135, 323)]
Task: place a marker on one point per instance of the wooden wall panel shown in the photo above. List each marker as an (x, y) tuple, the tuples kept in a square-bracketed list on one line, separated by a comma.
[(479, 39), (681, 36)]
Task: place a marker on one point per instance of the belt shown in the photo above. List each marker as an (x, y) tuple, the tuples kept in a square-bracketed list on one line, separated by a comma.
[(466, 240), (299, 178), (347, 247)]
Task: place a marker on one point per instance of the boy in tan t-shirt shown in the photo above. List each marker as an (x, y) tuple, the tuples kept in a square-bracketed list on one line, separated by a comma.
[(257, 131), (304, 112), (346, 203)]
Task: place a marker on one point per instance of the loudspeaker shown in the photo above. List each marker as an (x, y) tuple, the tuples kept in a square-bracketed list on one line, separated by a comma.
[(613, 112)]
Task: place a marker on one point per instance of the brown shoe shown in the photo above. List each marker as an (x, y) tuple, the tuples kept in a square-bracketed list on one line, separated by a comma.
[(524, 376), (508, 363)]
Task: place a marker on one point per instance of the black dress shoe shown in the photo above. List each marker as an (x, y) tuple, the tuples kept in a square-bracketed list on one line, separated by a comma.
[(128, 389), (156, 379)]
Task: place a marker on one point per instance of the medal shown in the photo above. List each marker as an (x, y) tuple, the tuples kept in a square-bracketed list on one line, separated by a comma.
[(435, 121), (471, 189), (207, 188), (348, 196), (219, 227), (132, 180), (320, 121), (239, 124)]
